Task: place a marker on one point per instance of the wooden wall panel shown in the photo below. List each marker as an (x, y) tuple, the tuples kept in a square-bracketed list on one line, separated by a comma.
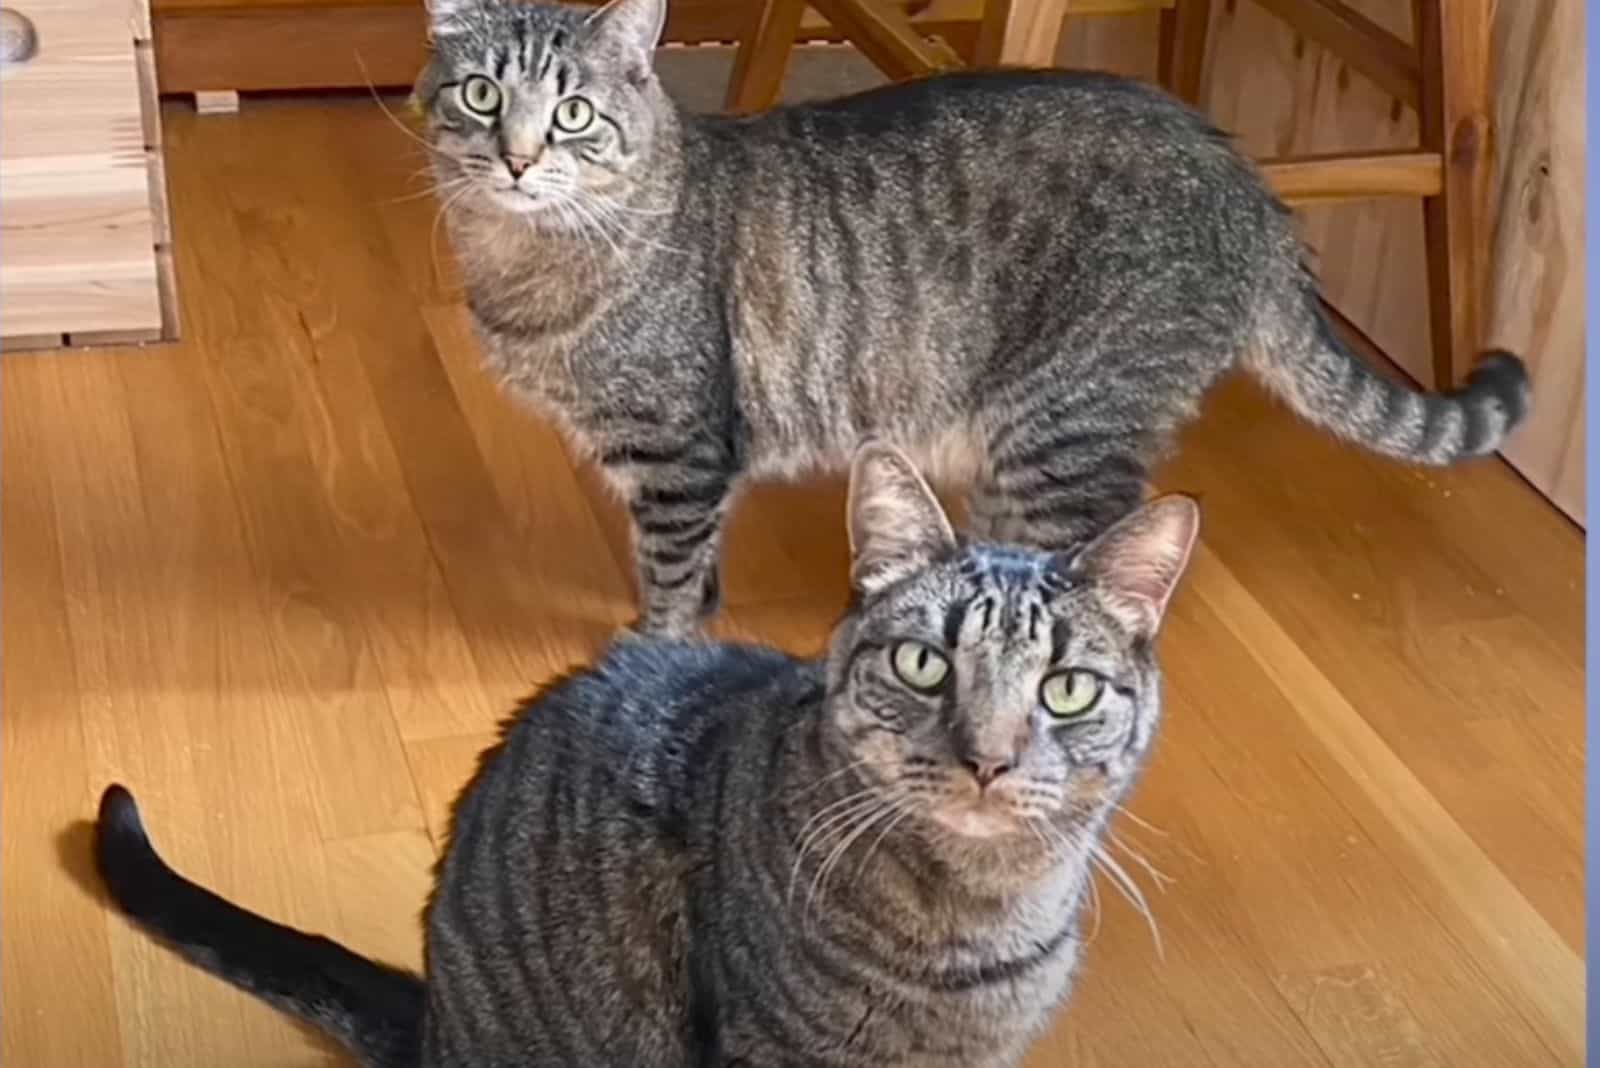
[(1536, 266), (1283, 95)]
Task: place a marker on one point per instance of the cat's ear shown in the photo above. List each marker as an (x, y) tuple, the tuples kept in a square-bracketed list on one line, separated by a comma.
[(1137, 563), (445, 16), (634, 26), (897, 526)]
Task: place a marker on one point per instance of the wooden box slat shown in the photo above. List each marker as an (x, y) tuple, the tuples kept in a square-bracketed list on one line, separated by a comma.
[(77, 234)]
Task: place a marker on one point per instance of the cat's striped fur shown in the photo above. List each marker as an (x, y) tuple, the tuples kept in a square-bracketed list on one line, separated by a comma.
[(700, 855), (1029, 279)]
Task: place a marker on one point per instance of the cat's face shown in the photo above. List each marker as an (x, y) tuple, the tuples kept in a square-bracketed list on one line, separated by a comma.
[(999, 691), (537, 109)]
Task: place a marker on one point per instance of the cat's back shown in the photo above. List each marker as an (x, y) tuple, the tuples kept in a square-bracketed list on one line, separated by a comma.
[(557, 927), (628, 727), (1088, 112)]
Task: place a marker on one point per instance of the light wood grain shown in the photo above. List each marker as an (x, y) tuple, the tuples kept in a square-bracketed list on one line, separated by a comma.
[(1546, 973), (1283, 95), (1456, 106), (1020, 33), (1379, 53), (1343, 176), (1184, 31), (44, 783), (285, 577), (75, 192), (887, 37), (763, 56), (1536, 273)]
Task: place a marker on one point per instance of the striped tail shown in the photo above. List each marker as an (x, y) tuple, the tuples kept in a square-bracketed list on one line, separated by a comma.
[(373, 1010), (1300, 357)]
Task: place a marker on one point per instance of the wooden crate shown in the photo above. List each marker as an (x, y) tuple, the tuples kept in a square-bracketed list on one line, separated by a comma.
[(84, 241)]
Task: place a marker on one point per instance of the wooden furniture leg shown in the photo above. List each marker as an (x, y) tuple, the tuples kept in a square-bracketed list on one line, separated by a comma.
[(1184, 27), (763, 56), (1453, 39), (1020, 33), (883, 32)]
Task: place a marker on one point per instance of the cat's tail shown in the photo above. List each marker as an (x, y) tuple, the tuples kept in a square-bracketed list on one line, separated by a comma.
[(1298, 355), (373, 1010)]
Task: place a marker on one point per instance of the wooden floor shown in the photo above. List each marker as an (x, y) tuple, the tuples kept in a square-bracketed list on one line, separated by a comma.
[(284, 577)]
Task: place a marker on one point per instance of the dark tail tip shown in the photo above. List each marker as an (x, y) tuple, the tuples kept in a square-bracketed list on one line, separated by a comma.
[(1498, 384), (1503, 377), (118, 809), (122, 850)]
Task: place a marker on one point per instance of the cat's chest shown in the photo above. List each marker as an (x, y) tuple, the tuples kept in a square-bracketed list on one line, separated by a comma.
[(965, 998), (567, 355)]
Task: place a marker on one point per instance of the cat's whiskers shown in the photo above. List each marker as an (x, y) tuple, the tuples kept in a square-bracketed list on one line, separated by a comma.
[(605, 211), (444, 207), (1094, 904), (829, 777), (571, 223), (836, 821), (1161, 878), (907, 805), (631, 209), (392, 117), (600, 222), (832, 808), (435, 188), (829, 812), (888, 806), (1138, 819), (567, 196), (1129, 889), (1057, 843)]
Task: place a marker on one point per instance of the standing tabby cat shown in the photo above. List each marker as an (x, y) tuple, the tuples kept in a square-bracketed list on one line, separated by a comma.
[(1028, 280), (698, 856)]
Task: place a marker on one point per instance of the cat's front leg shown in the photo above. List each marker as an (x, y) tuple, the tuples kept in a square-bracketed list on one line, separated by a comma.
[(677, 510)]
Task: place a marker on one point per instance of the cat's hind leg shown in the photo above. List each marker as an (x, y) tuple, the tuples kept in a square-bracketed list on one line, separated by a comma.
[(1070, 446), (1057, 486)]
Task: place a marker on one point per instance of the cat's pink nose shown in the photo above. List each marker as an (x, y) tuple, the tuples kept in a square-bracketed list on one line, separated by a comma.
[(517, 165), (986, 771)]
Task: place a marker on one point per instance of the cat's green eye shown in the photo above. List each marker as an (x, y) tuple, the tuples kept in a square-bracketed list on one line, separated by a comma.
[(480, 95), (1071, 694), (919, 666), (574, 115)]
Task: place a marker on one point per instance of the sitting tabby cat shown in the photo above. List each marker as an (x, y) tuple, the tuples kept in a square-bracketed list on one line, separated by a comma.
[(1028, 280), (699, 855)]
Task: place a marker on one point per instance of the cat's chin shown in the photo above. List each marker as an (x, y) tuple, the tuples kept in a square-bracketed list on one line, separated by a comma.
[(517, 203), (978, 818)]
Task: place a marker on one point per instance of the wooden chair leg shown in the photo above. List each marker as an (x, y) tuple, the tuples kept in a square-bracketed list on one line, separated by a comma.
[(1184, 27), (1453, 41), (1020, 33), (763, 56), (884, 33)]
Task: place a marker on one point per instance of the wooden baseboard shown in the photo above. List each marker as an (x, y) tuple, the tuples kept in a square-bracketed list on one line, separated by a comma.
[(32, 342), (276, 48)]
